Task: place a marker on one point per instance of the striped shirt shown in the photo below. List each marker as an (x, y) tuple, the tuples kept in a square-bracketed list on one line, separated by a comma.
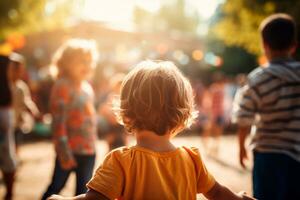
[(270, 101)]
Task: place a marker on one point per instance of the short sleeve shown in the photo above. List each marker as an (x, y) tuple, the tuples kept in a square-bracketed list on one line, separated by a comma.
[(205, 181), (245, 106), (109, 177)]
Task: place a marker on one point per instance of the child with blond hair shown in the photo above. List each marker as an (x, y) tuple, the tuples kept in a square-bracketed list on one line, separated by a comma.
[(74, 116), (155, 104)]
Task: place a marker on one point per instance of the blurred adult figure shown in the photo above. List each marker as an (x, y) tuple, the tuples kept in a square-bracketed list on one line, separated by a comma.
[(25, 108), (214, 103), (8, 162)]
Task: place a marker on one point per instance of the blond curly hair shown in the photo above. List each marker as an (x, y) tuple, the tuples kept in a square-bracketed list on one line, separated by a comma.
[(155, 96), (71, 49)]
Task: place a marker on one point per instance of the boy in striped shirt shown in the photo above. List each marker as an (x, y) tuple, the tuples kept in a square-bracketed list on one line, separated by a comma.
[(270, 103)]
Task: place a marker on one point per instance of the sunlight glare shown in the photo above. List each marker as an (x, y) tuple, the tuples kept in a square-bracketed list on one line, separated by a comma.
[(120, 12)]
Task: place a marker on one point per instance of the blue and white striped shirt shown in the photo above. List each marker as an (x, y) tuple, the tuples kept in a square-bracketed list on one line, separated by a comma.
[(270, 101)]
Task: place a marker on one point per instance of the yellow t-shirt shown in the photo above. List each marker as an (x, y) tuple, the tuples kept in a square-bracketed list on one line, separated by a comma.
[(136, 173)]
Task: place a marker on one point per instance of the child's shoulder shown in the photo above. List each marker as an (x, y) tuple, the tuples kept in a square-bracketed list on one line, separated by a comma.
[(120, 153), (257, 76), (195, 155), (194, 152), (121, 150), (123, 156)]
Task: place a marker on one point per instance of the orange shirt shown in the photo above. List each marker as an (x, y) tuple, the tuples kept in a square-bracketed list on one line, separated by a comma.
[(131, 173)]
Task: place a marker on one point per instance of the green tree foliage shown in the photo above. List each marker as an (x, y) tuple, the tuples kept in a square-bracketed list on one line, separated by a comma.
[(15, 13), (172, 16), (236, 60), (26, 16), (238, 22)]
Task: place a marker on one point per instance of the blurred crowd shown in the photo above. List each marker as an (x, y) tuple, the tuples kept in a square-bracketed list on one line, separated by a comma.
[(213, 99), (34, 113), (74, 100)]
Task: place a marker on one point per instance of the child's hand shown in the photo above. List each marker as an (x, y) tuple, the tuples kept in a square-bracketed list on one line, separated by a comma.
[(244, 196), (67, 165), (55, 197), (218, 192), (243, 156)]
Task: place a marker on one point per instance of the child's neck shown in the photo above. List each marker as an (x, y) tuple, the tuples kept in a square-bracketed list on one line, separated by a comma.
[(278, 55), (154, 142)]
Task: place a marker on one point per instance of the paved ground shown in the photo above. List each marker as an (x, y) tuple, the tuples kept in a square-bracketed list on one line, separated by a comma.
[(37, 164)]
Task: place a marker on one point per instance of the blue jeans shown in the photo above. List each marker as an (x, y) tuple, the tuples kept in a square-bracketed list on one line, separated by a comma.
[(84, 172), (275, 177)]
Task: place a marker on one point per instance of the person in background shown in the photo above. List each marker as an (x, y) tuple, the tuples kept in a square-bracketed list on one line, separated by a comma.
[(74, 115), (24, 107), (155, 104), (214, 103), (8, 158), (270, 102), (230, 88), (115, 133), (199, 91)]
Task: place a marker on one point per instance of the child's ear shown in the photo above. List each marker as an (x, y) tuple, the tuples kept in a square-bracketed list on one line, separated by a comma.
[(267, 50), (293, 48), (266, 47)]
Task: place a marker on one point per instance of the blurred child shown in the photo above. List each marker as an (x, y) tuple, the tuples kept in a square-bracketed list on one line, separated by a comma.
[(156, 103), (115, 133), (8, 158), (74, 116), (216, 120), (24, 107), (270, 102)]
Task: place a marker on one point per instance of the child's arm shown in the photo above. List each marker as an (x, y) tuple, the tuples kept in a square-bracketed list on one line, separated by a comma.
[(90, 195), (29, 104), (219, 192), (243, 132), (59, 100)]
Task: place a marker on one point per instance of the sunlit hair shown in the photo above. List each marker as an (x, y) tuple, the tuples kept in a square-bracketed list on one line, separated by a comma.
[(155, 96), (71, 49)]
